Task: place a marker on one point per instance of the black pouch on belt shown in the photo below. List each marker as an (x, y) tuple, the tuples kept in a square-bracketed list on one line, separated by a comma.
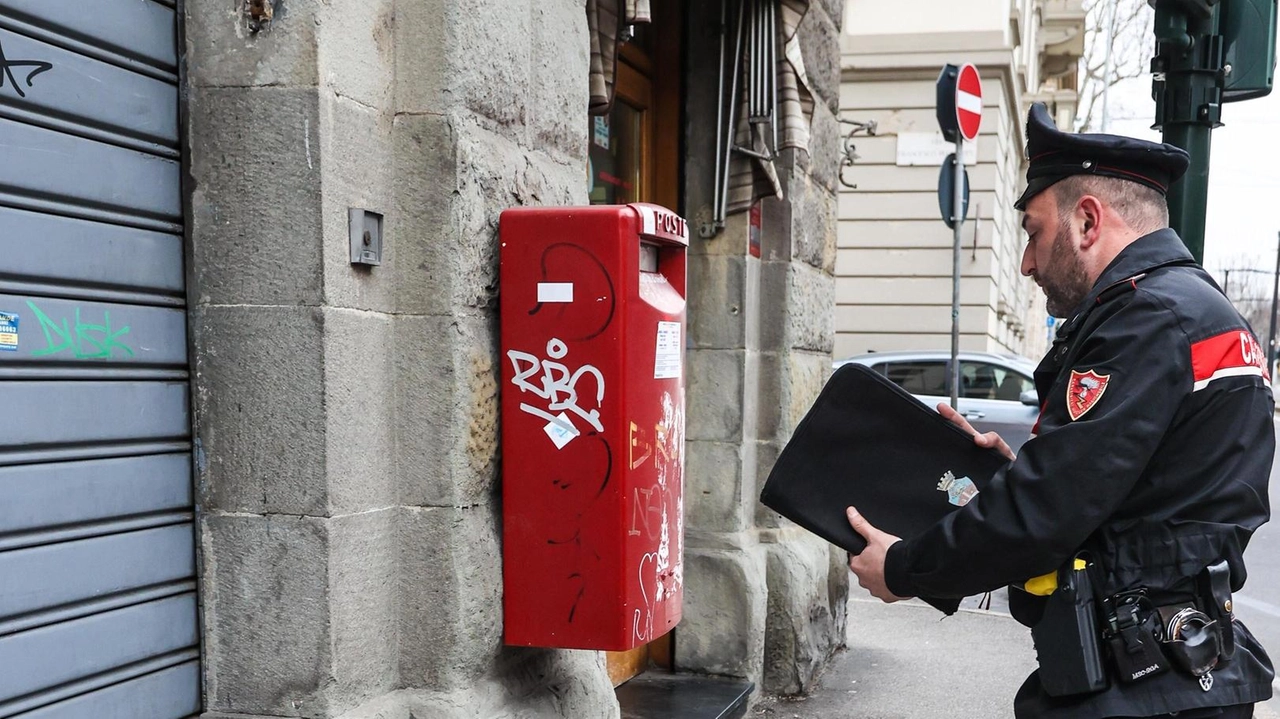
[(1066, 637), (1215, 594), (1134, 637)]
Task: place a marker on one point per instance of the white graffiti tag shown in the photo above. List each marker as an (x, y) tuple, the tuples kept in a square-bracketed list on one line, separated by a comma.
[(642, 620), (554, 383)]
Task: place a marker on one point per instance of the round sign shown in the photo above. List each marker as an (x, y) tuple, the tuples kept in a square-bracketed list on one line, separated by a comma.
[(947, 192), (969, 102)]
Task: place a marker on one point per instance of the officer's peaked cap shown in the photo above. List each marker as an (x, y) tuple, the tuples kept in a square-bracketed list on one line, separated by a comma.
[(1056, 155)]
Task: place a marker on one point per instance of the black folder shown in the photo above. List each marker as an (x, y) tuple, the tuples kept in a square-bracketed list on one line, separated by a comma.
[(868, 443)]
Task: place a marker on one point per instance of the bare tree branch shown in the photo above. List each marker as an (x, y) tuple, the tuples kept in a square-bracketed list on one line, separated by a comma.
[(1248, 284), (1122, 27)]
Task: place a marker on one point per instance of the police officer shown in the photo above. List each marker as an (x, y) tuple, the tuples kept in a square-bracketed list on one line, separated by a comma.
[(1148, 466)]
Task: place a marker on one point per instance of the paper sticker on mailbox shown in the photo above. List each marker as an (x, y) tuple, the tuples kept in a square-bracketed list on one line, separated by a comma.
[(669, 354)]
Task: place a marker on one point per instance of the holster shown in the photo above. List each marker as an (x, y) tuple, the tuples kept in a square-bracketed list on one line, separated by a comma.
[(1066, 637), (1214, 585)]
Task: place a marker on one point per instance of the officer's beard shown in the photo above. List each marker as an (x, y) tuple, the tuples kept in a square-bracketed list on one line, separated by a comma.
[(1066, 284)]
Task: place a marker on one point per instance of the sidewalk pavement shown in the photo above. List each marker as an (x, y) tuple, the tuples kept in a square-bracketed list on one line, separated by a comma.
[(908, 661)]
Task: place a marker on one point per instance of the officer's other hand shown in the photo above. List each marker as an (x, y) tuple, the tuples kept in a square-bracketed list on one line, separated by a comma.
[(988, 440), (869, 566)]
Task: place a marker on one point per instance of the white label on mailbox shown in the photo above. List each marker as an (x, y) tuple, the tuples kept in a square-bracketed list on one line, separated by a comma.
[(670, 351), (555, 292)]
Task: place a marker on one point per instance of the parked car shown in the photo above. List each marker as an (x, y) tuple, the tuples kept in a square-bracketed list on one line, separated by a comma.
[(996, 390)]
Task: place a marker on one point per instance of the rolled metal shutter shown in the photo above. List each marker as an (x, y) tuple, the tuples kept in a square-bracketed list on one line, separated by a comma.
[(98, 612)]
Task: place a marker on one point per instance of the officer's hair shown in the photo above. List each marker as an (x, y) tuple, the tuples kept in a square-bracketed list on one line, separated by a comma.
[(1142, 208)]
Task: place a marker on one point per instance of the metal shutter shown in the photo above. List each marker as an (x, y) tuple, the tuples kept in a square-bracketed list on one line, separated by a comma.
[(98, 614)]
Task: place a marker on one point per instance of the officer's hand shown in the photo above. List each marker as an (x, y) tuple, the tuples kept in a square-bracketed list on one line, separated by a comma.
[(869, 566), (988, 440)]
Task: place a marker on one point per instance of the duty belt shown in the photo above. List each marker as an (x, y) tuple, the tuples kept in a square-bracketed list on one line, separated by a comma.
[(1142, 640)]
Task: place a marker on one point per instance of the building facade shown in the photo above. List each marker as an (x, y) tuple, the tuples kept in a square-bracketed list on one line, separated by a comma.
[(895, 256), (243, 477)]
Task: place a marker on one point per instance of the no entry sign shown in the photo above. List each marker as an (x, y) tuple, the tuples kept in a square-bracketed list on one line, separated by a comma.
[(959, 102), (969, 102)]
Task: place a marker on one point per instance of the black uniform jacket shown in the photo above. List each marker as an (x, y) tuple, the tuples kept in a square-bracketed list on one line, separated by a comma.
[(1152, 453)]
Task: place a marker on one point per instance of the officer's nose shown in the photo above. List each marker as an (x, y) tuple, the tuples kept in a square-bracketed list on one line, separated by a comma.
[(1028, 261)]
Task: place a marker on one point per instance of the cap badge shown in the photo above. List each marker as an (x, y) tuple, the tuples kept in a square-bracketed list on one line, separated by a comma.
[(1086, 164), (959, 491), (1083, 392)]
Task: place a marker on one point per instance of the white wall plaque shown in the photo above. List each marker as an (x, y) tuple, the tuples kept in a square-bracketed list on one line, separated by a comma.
[(930, 149)]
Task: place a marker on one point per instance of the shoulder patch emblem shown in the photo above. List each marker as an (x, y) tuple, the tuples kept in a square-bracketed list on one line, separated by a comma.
[(1083, 392)]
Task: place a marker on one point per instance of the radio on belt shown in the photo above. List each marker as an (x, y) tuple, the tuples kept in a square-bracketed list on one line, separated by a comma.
[(592, 333)]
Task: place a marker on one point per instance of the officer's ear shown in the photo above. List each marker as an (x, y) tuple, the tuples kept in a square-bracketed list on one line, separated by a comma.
[(1089, 214)]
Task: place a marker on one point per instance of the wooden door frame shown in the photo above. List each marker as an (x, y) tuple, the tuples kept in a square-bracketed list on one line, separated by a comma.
[(632, 87)]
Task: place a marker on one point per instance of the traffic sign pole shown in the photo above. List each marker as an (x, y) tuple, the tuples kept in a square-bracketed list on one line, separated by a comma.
[(959, 111), (957, 223)]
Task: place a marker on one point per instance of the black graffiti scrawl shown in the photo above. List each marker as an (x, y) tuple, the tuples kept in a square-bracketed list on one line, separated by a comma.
[(7, 66)]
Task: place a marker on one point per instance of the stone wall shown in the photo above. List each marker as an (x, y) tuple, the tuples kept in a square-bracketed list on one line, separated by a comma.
[(763, 600), (347, 418), (808, 581)]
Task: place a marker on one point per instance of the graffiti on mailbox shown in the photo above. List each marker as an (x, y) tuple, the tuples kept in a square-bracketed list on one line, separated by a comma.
[(646, 512), (672, 440), (559, 393), (660, 573), (582, 483), (642, 620), (558, 386)]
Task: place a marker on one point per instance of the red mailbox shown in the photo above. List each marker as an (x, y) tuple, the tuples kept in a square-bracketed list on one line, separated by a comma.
[(593, 310)]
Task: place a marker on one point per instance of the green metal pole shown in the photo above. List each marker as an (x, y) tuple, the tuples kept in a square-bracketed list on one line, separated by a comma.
[(1188, 93), (1188, 198)]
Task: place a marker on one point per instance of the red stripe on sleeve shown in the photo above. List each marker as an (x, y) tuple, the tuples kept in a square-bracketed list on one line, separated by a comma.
[(1236, 348)]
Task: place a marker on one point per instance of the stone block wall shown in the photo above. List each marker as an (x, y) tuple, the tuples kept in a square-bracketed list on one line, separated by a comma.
[(347, 417), (767, 600)]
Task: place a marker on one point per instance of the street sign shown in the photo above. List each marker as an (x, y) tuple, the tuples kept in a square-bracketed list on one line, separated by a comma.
[(1249, 46), (929, 149), (947, 191), (959, 114), (969, 102), (959, 102)]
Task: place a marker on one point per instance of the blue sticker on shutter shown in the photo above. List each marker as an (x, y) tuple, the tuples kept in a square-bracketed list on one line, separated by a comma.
[(8, 332)]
